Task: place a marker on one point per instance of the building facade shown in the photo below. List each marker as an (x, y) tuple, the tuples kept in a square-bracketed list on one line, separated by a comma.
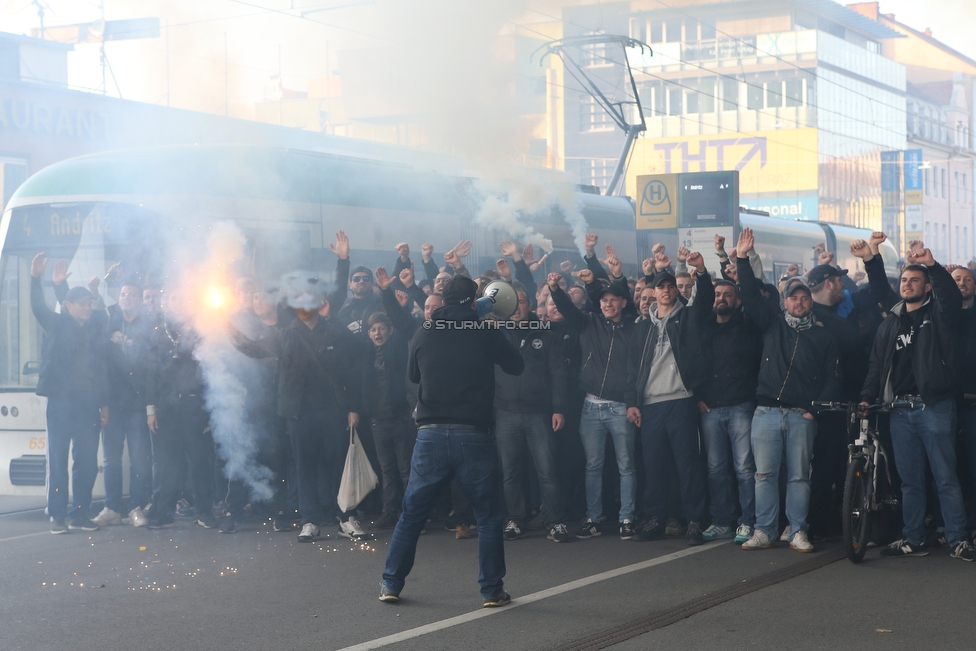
[(797, 96)]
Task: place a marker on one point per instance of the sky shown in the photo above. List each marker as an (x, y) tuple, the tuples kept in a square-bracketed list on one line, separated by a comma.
[(189, 68)]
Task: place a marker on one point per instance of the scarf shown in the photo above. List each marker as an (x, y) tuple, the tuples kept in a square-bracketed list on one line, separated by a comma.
[(801, 324)]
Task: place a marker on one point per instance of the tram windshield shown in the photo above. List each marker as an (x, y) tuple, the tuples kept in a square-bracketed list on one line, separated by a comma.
[(91, 237)]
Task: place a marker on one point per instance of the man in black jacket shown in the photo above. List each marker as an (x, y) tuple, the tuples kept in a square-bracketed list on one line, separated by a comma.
[(669, 366), (528, 409), (606, 342), (177, 417), (318, 395), (727, 402), (800, 365), (453, 360), (73, 378), (914, 365), (130, 333), (966, 407), (852, 317)]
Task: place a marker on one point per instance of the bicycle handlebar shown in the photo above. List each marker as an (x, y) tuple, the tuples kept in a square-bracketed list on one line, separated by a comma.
[(849, 406)]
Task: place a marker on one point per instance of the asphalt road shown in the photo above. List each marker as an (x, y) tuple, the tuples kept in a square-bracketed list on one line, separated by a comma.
[(190, 588)]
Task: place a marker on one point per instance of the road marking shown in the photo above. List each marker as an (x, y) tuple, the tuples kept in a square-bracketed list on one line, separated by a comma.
[(26, 535), (527, 599)]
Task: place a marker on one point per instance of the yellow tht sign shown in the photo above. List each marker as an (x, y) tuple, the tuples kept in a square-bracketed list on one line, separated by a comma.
[(657, 201), (767, 161)]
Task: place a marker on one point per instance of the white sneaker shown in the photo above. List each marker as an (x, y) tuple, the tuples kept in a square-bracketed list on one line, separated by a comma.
[(801, 543), (107, 518), (309, 533), (785, 536), (351, 529), (759, 540), (138, 518)]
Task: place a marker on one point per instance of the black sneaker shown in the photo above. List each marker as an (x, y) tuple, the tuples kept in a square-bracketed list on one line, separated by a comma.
[(626, 530), (588, 530), (160, 522), (83, 524), (385, 521), (388, 595), (285, 521), (498, 600), (206, 520), (651, 530), (58, 526), (512, 531), (964, 551), (560, 534), (694, 535), (183, 509), (228, 524), (901, 548)]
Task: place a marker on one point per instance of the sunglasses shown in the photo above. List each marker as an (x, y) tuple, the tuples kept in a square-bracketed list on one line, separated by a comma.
[(360, 279)]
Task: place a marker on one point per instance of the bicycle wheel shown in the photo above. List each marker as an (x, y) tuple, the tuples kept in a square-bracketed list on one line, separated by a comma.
[(857, 508)]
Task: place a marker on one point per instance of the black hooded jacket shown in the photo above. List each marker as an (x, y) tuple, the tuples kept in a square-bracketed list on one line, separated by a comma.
[(455, 367)]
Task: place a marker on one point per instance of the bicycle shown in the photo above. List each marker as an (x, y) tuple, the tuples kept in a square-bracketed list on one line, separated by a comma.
[(868, 488)]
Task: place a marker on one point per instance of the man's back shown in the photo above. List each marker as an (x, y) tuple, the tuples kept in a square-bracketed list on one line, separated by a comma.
[(454, 365)]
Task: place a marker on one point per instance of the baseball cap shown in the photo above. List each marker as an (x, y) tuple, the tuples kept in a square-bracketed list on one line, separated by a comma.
[(661, 277), (794, 284), (607, 287), (459, 291), (76, 294), (822, 272)]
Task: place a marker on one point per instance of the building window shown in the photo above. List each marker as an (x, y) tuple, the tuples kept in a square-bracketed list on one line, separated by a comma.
[(707, 31), (957, 241), (13, 172), (774, 94), (593, 117), (928, 238), (656, 31), (730, 94), (594, 54), (794, 92), (596, 172), (955, 183), (707, 95), (965, 243), (943, 183), (672, 30), (945, 245), (754, 97), (674, 101), (926, 176)]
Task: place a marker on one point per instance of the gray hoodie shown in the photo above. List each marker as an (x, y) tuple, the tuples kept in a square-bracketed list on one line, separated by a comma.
[(664, 381)]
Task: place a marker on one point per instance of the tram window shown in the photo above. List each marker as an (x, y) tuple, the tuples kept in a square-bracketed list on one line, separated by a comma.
[(13, 172)]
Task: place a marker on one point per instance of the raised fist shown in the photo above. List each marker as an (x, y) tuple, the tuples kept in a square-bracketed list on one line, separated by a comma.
[(406, 276), (404, 250), (553, 280), (719, 243), (565, 266), (427, 251), (590, 240), (683, 254), (585, 275), (696, 260)]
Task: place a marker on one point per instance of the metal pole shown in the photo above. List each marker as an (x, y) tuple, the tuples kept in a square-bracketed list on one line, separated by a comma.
[(632, 132)]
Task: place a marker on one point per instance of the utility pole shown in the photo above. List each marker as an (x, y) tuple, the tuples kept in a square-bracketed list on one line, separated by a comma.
[(167, 62)]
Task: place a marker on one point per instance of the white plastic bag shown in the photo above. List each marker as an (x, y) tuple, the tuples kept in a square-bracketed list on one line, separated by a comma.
[(358, 478)]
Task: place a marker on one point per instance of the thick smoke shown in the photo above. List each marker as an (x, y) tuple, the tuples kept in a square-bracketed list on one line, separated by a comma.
[(226, 372)]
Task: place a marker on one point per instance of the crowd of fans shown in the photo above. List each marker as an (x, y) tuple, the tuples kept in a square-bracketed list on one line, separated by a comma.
[(699, 382)]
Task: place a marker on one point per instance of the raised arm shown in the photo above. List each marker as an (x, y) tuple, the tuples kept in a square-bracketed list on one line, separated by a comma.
[(44, 315), (944, 288), (878, 289), (704, 289), (341, 249), (564, 304), (752, 301)]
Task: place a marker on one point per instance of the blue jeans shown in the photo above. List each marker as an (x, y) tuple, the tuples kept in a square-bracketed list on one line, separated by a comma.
[(441, 454), (773, 430), (597, 421), (923, 432), (670, 429), (72, 422), (727, 432), (127, 425), (519, 435)]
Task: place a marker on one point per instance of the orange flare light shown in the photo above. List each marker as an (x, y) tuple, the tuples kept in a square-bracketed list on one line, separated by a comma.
[(215, 298)]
